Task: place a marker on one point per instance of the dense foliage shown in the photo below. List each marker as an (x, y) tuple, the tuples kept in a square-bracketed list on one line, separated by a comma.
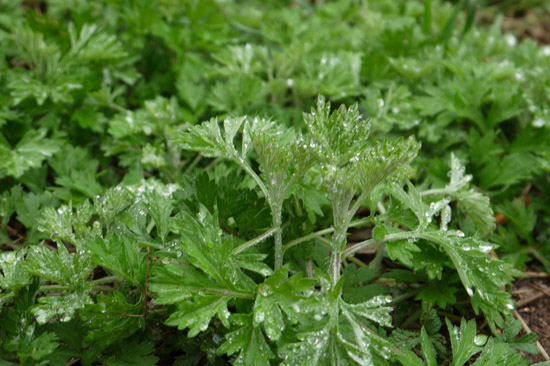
[(181, 182)]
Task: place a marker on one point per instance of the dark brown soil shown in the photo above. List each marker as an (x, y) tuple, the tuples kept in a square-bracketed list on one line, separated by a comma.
[(533, 297)]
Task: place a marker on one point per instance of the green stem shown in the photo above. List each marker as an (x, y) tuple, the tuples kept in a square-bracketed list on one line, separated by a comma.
[(323, 232), (357, 205), (193, 163), (254, 176), (375, 263), (277, 221), (437, 191), (254, 241), (145, 244), (46, 288), (391, 237), (400, 298), (342, 220), (107, 279), (212, 164), (335, 265), (427, 16), (244, 295)]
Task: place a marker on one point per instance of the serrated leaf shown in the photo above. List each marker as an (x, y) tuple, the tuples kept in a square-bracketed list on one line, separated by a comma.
[(159, 206), (197, 315), (13, 274), (134, 353), (38, 348), (337, 135), (120, 255), (66, 224), (28, 153), (61, 307), (249, 340), (440, 292), (280, 295), (8, 203), (428, 351), (463, 341), (339, 335), (207, 138), (413, 201), (61, 267), (473, 203), (112, 318)]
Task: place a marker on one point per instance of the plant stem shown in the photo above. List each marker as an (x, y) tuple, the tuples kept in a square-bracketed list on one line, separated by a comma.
[(435, 191), (254, 241), (404, 235), (322, 232), (427, 16), (107, 279), (342, 220), (277, 221), (335, 265), (254, 176), (375, 263), (193, 163)]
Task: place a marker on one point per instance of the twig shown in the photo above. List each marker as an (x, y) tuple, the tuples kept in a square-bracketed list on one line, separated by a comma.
[(254, 241), (543, 290), (14, 232), (536, 274), (527, 330), (309, 269), (164, 260), (145, 289), (356, 261), (530, 299), (369, 250), (193, 163), (72, 362)]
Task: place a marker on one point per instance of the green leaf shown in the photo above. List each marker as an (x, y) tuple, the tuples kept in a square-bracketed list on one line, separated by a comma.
[(159, 206), (29, 210), (472, 202), (112, 318), (8, 203), (526, 343), (61, 267), (507, 170), (339, 335), (207, 138), (384, 160), (413, 201), (61, 307), (482, 275), (13, 272), (38, 348), (440, 292), (197, 315), (92, 45), (249, 340), (77, 171), (66, 224), (122, 256), (428, 351), (134, 353), (202, 287), (463, 341), (280, 295), (339, 135), (28, 153), (114, 202)]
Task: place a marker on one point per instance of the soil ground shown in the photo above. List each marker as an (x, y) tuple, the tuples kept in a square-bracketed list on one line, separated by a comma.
[(532, 295)]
